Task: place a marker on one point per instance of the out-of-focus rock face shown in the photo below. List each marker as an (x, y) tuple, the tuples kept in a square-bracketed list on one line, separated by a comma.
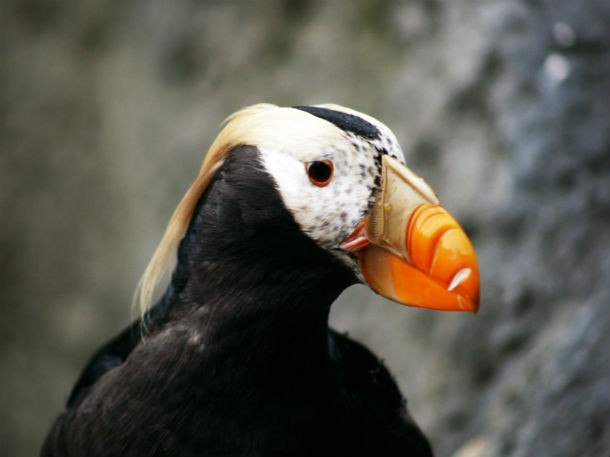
[(504, 107)]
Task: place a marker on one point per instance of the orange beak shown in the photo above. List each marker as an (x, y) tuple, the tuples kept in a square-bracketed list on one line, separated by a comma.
[(411, 250)]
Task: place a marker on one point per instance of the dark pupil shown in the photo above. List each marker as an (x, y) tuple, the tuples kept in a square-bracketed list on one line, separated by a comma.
[(319, 171)]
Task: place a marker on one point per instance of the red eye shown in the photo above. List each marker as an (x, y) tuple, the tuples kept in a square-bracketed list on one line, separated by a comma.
[(320, 172)]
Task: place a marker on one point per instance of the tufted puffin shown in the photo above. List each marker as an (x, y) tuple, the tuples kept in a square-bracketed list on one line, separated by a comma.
[(292, 205)]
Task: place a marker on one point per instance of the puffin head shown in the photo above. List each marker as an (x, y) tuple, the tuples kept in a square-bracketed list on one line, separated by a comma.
[(342, 176)]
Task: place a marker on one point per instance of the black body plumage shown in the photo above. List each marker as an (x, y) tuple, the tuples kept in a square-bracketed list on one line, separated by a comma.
[(237, 358)]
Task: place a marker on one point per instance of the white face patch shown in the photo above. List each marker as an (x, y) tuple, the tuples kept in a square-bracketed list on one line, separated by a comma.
[(329, 214)]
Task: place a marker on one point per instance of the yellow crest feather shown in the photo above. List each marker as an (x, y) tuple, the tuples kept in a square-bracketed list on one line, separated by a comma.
[(230, 136)]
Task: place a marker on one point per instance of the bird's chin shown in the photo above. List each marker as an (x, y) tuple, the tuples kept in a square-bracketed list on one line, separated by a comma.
[(352, 261)]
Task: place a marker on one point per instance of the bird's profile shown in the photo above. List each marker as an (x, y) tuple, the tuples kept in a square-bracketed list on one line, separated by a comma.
[(290, 207)]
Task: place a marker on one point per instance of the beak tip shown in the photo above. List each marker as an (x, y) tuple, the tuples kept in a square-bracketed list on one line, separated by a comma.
[(474, 306), (469, 296), (466, 302)]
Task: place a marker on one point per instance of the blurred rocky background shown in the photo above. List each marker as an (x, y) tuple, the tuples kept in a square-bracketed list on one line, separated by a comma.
[(106, 110)]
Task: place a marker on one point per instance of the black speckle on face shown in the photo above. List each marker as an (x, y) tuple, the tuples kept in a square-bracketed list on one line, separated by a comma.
[(380, 153)]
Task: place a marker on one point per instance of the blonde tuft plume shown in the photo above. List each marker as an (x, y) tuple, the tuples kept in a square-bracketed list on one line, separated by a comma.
[(233, 134)]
